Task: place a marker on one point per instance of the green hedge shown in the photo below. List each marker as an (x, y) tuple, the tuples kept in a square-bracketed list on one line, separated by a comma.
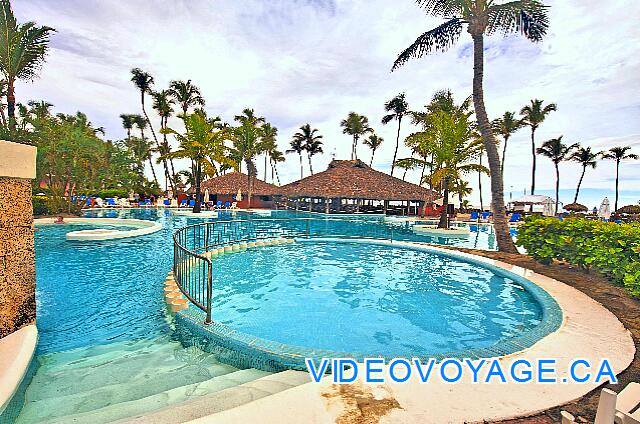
[(611, 249)]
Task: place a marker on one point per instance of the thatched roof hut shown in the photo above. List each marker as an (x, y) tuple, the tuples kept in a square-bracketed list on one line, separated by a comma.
[(576, 207), (629, 209), (353, 179), (233, 181)]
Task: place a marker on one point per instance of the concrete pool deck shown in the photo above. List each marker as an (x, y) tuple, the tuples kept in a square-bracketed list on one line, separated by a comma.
[(588, 331), (139, 227)]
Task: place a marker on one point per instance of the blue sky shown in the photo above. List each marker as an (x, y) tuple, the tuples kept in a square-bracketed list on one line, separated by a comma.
[(300, 61)]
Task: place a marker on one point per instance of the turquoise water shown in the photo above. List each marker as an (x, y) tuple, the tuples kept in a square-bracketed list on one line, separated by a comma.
[(368, 298)]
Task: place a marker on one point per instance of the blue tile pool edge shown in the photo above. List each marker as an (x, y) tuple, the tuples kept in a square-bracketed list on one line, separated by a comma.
[(275, 356)]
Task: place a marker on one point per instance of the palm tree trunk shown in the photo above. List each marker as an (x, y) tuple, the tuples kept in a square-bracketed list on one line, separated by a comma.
[(153, 171), (266, 156), (424, 167), (250, 170), (533, 167), (395, 153), (444, 213), (275, 168), (198, 175), (404, 176), (615, 207), (301, 168), (173, 169), (504, 154), (373, 152), (584, 169), (503, 236), (480, 186), (153, 132), (310, 166), (557, 189), (11, 102)]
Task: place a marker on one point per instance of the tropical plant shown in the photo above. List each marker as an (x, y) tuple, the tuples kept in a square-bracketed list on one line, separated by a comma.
[(23, 48), (276, 157), (143, 82), (373, 142), (356, 126), (462, 189), (203, 144), (268, 134), (398, 107), (312, 144), (586, 158), (619, 154), (506, 126), (532, 116), (406, 164), (247, 145), (163, 105), (186, 95), (143, 146), (558, 152), (301, 139), (528, 17), (610, 249)]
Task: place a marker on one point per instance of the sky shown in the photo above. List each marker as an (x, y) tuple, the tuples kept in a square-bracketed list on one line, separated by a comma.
[(314, 61)]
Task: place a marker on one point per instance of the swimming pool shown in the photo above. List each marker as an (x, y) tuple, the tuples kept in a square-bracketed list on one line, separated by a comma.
[(101, 304)]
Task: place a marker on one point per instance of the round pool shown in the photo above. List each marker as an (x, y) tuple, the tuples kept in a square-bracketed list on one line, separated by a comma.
[(375, 298)]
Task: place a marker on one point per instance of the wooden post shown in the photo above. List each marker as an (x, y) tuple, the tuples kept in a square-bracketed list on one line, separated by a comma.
[(310, 203), (386, 206), (327, 202)]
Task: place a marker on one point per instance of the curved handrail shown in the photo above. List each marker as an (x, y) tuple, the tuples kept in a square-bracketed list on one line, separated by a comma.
[(193, 268)]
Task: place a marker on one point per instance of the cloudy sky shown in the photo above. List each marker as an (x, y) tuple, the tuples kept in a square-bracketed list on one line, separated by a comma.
[(299, 61)]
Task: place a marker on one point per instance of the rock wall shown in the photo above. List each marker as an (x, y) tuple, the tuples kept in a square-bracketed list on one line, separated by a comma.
[(17, 258)]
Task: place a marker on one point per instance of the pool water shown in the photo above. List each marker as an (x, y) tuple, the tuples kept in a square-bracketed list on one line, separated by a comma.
[(368, 298)]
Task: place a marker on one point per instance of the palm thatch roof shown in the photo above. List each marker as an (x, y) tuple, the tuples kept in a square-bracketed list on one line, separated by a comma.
[(353, 179), (629, 209), (576, 207), (232, 182)]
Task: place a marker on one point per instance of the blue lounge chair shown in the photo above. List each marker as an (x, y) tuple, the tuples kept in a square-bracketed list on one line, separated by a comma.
[(192, 203), (167, 202), (515, 217), (475, 216), (227, 205), (111, 201), (618, 221), (486, 215), (183, 203), (218, 204), (147, 202)]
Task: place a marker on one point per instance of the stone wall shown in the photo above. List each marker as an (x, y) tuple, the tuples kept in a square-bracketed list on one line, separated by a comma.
[(17, 257)]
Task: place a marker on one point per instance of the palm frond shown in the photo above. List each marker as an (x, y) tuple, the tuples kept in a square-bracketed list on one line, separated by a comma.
[(442, 8), (529, 17), (437, 39)]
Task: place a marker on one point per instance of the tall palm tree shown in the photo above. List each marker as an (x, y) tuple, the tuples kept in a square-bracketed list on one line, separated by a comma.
[(586, 158), (203, 144), (268, 134), (558, 152), (533, 115), (127, 123), (144, 81), (141, 123), (23, 49), (506, 126), (247, 145), (356, 126), (398, 107), (462, 189), (276, 157), (249, 116), (373, 142), (312, 143), (407, 164), (528, 17), (299, 141), (186, 95), (619, 154), (163, 105)]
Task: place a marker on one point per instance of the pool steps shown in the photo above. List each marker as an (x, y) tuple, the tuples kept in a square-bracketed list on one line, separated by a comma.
[(242, 246)]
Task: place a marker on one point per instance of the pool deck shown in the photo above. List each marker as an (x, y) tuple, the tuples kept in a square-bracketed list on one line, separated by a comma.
[(588, 331)]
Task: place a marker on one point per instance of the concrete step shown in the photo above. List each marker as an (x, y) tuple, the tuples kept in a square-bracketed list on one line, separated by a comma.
[(138, 407), (220, 401)]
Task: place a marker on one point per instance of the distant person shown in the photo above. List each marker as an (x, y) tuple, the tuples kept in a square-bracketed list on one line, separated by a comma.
[(59, 220)]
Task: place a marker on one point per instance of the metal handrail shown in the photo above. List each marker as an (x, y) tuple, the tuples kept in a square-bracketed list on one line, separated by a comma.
[(193, 269)]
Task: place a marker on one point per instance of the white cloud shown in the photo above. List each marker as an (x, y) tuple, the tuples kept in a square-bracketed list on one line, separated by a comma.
[(314, 61)]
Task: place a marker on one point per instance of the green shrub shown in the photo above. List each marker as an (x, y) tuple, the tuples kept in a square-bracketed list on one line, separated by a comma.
[(611, 249), (111, 192), (40, 205)]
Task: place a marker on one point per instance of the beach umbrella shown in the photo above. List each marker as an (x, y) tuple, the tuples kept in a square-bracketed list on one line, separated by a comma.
[(239, 196), (605, 209), (549, 207), (576, 207)]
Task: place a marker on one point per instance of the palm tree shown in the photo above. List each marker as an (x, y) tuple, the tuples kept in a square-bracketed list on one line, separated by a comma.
[(373, 142), (127, 123), (268, 134), (506, 126), (356, 126), (528, 17), (249, 116), (141, 123), (23, 49), (585, 157), (247, 145), (144, 81), (163, 104), (312, 145), (398, 107), (533, 115), (462, 189), (557, 151), (186, 94), (303, 138), (203, 144), (276, 157), (619, 154)]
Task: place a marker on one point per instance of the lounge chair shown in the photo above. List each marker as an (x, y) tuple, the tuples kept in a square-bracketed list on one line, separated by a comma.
[(227, 205), (174, 203), (183, 203), (147, 202), (218, 205), (111, 201), (515, 217), (99, 202), (485, 216), (614, 407), (234, 205), (167, 202), (474, 216), (124, 202), (192, 203)]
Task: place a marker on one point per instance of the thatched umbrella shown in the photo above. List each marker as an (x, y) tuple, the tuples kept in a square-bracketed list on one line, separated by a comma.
[(629, 209), (576, 207)]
